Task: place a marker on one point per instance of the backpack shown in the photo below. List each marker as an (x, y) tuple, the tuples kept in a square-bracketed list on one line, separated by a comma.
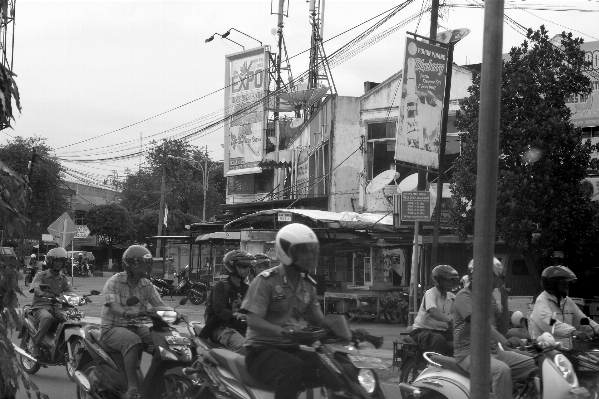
[(209, 312)]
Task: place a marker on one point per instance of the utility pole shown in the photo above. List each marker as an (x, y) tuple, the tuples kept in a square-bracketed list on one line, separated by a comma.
[(161, 210), (205, 184), (30, 166), (486, 197)]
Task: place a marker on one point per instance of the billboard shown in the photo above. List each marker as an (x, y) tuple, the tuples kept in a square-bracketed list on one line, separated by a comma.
[(585, 108), (423, 89), (246, 85)]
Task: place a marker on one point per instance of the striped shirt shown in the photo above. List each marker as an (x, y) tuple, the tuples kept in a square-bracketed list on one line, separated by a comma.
[(117, 289)]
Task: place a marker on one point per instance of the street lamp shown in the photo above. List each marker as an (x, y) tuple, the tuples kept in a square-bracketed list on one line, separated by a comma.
[(227, 33), (211, 38), (205, 173)]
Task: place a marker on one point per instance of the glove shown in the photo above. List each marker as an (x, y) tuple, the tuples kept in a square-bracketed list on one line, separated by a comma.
[(514, 343), (131, 314)]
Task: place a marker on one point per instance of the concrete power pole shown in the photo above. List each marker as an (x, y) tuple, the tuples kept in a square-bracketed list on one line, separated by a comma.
[(161, 210), (205, 184)]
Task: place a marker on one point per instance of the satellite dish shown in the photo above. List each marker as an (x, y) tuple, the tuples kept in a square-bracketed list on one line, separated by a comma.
[(297, 122), (410, 183), (381, 180), (452, 36)]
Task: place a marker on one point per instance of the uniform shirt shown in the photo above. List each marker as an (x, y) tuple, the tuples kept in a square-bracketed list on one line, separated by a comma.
[(434, 299), (117, 289), (272, 297), (462, 308), (58, 285), (568, 317)]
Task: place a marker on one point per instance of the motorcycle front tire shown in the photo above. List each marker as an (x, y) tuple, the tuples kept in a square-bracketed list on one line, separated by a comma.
[(196, 296), (29, 366), (86, 371), (407, 373)]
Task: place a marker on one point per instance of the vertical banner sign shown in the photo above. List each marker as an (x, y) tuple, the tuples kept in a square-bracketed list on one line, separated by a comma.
[(246, 88), (423, 89)]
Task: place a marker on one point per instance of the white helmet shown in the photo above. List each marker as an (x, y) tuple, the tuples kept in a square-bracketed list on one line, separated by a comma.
[(297, 244), (32, 256)]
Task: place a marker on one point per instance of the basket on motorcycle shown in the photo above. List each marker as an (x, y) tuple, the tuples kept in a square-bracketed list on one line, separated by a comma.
[(309, 335)]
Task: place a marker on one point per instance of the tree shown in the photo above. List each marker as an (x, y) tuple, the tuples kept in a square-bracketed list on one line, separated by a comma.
[(112, 223), (542, 156)]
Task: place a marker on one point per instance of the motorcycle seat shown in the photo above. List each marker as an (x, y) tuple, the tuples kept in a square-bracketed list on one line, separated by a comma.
[(409, 340), (449, 363), (235, 363), (95, 335)]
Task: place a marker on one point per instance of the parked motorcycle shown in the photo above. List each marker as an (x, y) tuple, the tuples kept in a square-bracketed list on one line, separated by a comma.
[(195, 290), (64, 339), (101, 371), (346, 372), (395, 309)]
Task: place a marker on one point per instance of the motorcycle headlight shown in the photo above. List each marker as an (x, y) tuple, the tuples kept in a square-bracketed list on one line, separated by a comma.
[(565, 367), (367, 380), (168, 316), (73, 300)]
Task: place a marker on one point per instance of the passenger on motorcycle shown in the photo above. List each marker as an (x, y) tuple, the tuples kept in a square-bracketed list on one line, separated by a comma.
[(262, 263), (121, 328), (278, 302), (554, 299), (224, 323), (40, 305), (432, 326), (506, 365), (82, 262)]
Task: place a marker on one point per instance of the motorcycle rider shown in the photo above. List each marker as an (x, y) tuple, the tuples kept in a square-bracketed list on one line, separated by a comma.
[(278, 302), (121, 328), (554, 299), (262, 263), (506, 366), (83, 265), (432, 329), (224, 322), (59, 284)]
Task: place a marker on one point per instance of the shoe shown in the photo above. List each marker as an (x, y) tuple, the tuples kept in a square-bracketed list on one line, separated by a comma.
[(133, 393), (35, 351)]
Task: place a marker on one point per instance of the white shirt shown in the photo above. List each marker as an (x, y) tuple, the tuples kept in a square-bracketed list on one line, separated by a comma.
[(434, 299)]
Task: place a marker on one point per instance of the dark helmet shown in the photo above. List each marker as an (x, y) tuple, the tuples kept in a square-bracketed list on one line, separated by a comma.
[(57, 254), (238, 258), (136, 257), (553, 274), (444, 272)]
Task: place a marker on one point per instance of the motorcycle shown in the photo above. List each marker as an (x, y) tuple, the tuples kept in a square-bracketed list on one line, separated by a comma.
[(78, 270), (395, 310), (101, 372), (346, 372), (444, 379), (195, 290), (409, 354), (64, 339), (30, 274)]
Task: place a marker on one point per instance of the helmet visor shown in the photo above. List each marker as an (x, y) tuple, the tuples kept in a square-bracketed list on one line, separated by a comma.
[(305, 255), (140, 265), (245, 263), (59, 262)]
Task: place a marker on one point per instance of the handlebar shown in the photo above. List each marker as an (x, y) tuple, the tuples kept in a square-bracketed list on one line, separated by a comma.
[(360, 335)]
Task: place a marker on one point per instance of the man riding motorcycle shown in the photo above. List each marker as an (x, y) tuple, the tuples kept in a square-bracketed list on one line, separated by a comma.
[(278, 302), (262, 263), (224, 322), (554, 299), (506, 366), (59, 284), (432, 329), (121, 328)]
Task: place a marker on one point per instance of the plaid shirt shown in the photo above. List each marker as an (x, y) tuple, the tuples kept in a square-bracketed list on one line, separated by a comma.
[(118, 289)]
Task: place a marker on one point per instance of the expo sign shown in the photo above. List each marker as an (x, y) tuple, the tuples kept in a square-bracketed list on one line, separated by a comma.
[(245, 78)]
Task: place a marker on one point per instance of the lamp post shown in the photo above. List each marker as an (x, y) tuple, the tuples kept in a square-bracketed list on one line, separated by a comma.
[(227, 33), (205, 173), (211, 38)]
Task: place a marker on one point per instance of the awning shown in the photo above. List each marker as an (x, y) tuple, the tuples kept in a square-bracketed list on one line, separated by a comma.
[(220, 235), (347, 220), (277, 159), (246, 171)]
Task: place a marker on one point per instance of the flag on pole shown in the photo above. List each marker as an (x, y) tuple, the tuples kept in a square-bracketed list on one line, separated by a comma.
[(165, 215)]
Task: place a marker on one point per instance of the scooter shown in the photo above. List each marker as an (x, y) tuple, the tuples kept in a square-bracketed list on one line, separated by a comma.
[(346, 372), (444, 379), (64, 339), (101, 371)]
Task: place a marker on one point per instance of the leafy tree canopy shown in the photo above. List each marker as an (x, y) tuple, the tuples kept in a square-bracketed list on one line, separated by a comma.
[(111, 222), (542, 156)]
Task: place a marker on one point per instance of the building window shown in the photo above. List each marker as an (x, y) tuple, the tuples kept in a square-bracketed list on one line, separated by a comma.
[(80, 217), (381, 147)]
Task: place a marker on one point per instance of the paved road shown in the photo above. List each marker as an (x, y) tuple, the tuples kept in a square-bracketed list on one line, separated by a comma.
[(54, 381)]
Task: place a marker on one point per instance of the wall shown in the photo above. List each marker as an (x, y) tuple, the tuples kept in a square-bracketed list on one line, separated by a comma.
[(346, 138)]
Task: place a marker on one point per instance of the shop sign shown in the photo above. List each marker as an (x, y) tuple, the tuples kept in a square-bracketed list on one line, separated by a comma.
[(284, 216)]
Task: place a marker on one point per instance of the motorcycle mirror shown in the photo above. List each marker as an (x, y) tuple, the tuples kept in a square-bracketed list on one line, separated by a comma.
[(552, 322), (183, 301), (132, 301), (585, 321)]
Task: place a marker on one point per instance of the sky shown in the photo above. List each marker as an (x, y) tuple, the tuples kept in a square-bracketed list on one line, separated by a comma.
[(94, 76)]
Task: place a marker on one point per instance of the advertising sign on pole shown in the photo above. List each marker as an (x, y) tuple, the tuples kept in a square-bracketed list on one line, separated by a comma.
[(246, 86), (82, 231), (423, 89), (415, 206)]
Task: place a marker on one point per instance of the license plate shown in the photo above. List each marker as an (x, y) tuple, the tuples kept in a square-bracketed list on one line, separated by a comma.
[(172, 340), (75, 314), (367, 362)]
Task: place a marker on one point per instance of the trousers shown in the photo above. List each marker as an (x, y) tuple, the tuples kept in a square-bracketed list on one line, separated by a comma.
[(437, 341), (45, 319)]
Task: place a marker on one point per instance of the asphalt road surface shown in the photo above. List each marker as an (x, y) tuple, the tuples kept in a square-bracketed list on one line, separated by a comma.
[(54, 381)]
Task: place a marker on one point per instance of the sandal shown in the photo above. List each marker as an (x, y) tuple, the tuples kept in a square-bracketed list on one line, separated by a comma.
[(133, 393)]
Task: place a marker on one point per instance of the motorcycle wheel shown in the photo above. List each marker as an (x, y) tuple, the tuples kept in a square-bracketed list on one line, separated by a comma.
[(175, 386), (196, 297), (394, 313), (407, 373), (29, 366), (85, 370), (76, 346)]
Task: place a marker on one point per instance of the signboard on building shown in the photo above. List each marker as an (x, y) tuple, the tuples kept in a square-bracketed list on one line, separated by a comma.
[(585, 108), (82, 231), (302, 175), (415, 206), (423, 89), (284, 216), (246, 85)]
